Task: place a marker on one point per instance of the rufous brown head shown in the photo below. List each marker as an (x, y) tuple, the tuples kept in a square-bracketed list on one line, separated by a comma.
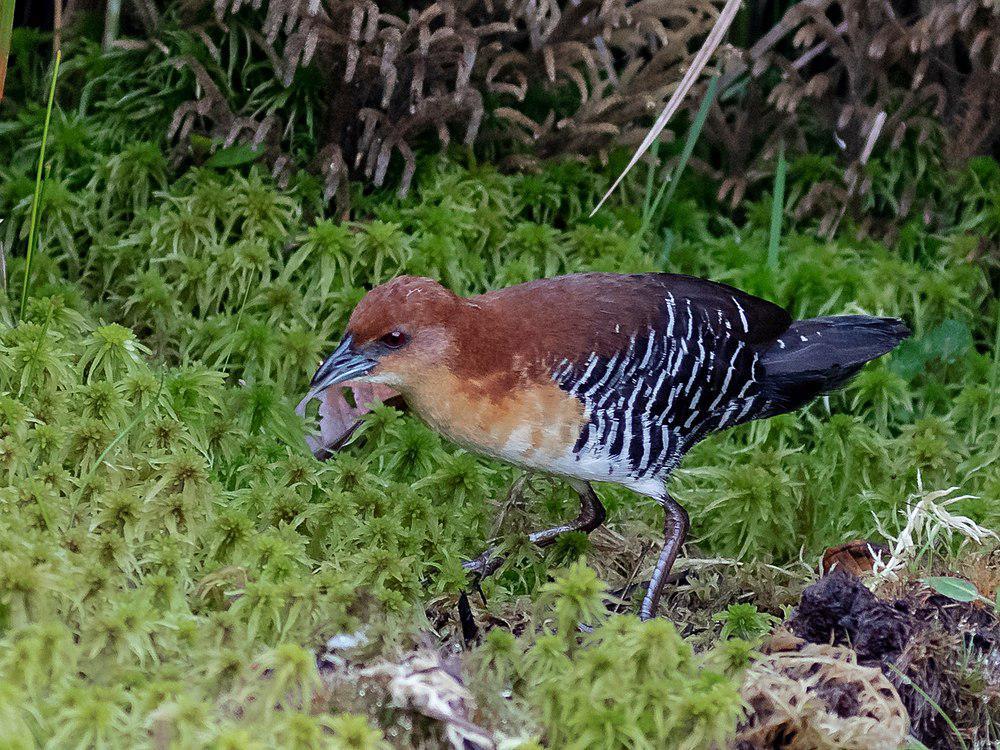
[(395, 331)]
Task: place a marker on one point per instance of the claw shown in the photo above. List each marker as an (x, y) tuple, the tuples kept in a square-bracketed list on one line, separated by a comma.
[(485, 565), (468, 621)]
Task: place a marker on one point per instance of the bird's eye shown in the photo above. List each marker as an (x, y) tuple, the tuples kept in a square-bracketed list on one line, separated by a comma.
[(394, 339)]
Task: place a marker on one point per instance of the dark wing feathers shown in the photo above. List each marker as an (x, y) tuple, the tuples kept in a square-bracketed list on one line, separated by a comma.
[(754, 320), (600, 312), (819, 345), (684, 362), (820, 355)]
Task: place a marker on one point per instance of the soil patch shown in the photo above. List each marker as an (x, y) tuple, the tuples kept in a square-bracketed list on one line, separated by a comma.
[(927, 645)]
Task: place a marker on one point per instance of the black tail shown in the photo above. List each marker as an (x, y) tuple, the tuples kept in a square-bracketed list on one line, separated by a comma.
[(819, 355)]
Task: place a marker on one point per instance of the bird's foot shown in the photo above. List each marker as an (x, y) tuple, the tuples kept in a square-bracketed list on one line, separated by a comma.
[(474, 566), (485, 565), (479, 568)]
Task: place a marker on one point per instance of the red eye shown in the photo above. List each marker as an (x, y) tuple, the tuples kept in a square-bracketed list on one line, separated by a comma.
[(394, 339)]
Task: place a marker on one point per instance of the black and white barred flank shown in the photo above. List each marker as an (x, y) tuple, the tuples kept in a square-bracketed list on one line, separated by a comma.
[(703, 368), (647, 405)]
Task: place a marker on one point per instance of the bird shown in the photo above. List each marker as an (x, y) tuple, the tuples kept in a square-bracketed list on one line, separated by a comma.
[(597, 377)]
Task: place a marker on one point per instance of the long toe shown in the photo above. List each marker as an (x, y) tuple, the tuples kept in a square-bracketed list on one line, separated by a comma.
[(474, 566), (484, 565)]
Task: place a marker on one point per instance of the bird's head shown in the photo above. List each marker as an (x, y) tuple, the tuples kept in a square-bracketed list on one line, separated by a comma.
[(397, 331)]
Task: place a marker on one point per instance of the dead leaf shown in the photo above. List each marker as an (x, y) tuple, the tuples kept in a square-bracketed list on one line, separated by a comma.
[(856, 557), (817, 697), (425, 683)]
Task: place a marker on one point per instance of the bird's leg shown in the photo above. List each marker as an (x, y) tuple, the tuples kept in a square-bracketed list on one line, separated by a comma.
[(592, 515), (675, 529)]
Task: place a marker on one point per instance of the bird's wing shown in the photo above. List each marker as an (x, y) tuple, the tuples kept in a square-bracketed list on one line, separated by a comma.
[(659, 361), (601, 312), (752, 319)]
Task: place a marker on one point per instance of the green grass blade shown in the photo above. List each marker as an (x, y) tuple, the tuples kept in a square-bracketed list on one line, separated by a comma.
[(236, 329), (647, 199), (6, 31), (995, 368), (777, 208), (689, 144), (32, 227)]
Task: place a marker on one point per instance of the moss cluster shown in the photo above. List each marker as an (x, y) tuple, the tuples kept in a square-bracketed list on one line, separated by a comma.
[(171, 556), (165, 534), (636, 684)]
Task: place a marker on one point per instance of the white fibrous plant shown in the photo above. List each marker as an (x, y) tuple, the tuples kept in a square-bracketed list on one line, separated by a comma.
[(929, 523)]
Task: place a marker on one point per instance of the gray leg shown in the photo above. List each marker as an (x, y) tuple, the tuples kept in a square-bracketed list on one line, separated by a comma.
[(592, 515), (675, 529)]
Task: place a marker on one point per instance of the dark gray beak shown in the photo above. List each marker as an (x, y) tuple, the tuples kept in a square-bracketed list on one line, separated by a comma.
[(345, 363)]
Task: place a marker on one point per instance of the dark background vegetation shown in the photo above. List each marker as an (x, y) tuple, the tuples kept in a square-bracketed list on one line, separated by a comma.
[(212, 205)]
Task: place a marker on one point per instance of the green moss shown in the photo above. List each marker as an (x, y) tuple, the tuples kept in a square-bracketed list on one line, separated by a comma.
[(171, 555), (623, 684)]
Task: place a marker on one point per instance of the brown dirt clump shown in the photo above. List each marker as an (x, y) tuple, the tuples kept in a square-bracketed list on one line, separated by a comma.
[(941, 655), (840, 609)]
